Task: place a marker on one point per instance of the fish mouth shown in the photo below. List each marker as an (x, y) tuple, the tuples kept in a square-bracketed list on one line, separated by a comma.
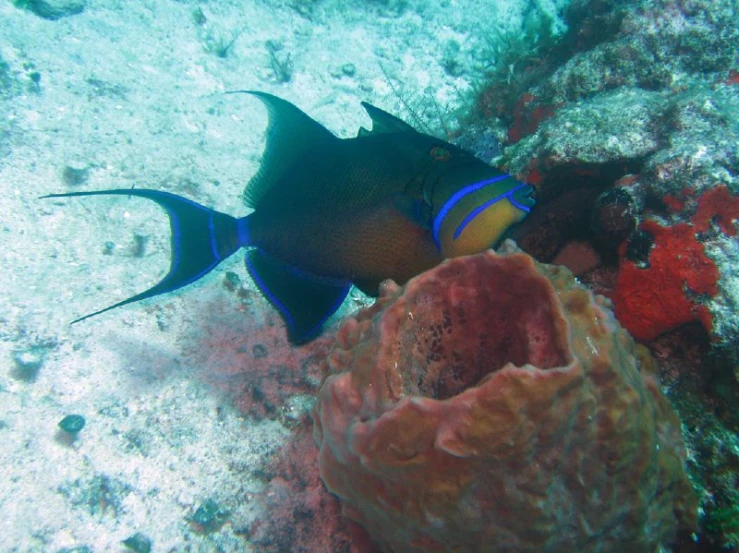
[(523, 197)]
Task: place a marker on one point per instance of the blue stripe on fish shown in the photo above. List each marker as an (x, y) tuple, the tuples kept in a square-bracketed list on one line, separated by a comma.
[(289, 320), (479, 209), (454, 200)]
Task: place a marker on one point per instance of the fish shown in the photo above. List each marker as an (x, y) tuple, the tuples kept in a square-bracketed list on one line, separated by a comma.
[(329, 213)]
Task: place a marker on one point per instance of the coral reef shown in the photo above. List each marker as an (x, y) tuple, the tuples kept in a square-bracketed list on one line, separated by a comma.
[(629, 128), (494, 404), (644, 92), (689, 375)]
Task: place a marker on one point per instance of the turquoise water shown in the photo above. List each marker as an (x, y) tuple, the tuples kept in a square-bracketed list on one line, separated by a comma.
[(197, 411)]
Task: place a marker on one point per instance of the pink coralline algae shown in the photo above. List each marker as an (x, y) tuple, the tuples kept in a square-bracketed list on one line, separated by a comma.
[(493, 404)]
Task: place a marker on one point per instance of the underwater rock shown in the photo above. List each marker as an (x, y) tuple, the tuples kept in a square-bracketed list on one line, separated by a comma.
[(72, 424), (75, 175), (139, 543), (702, 393), (53, 9), (614, 217), (614, 125), (493, 403), (259, 351), (208, 517), (28, 363)]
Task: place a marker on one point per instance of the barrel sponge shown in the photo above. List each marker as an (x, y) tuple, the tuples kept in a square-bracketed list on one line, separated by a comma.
[(493, 404)]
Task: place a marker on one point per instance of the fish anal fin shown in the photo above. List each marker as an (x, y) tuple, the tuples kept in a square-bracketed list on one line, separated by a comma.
[(304, 302)]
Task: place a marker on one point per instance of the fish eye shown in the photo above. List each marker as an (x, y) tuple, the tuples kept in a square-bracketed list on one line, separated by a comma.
[(440, 154)]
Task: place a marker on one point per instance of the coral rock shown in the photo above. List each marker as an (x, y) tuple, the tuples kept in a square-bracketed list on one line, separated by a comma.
[(495, 405), (54, 9)]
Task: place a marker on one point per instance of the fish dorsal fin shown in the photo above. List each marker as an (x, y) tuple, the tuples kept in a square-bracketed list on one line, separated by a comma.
[(304, 302), (290, 135), (383, 122)]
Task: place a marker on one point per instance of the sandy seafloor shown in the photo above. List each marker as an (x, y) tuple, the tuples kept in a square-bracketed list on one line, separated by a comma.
[(131, 94)]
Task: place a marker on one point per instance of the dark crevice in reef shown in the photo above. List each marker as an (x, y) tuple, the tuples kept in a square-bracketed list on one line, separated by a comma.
[(565, 211)]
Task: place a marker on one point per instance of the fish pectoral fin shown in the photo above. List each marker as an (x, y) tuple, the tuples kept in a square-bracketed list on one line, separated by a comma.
[(304, 302), (414, 210)]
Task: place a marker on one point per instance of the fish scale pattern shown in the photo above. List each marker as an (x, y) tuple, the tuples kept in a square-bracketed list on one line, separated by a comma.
[(495, 405)]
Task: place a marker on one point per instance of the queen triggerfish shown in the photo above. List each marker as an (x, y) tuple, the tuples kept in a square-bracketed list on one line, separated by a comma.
[(328, 213)]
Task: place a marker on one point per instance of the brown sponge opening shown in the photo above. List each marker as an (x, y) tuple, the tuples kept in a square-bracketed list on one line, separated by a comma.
[(495, 312)]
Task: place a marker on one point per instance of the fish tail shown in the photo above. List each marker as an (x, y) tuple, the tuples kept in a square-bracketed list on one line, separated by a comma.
[(200, 239)]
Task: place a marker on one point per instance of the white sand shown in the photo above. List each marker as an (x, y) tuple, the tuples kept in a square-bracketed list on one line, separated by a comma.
[(130, 91)]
